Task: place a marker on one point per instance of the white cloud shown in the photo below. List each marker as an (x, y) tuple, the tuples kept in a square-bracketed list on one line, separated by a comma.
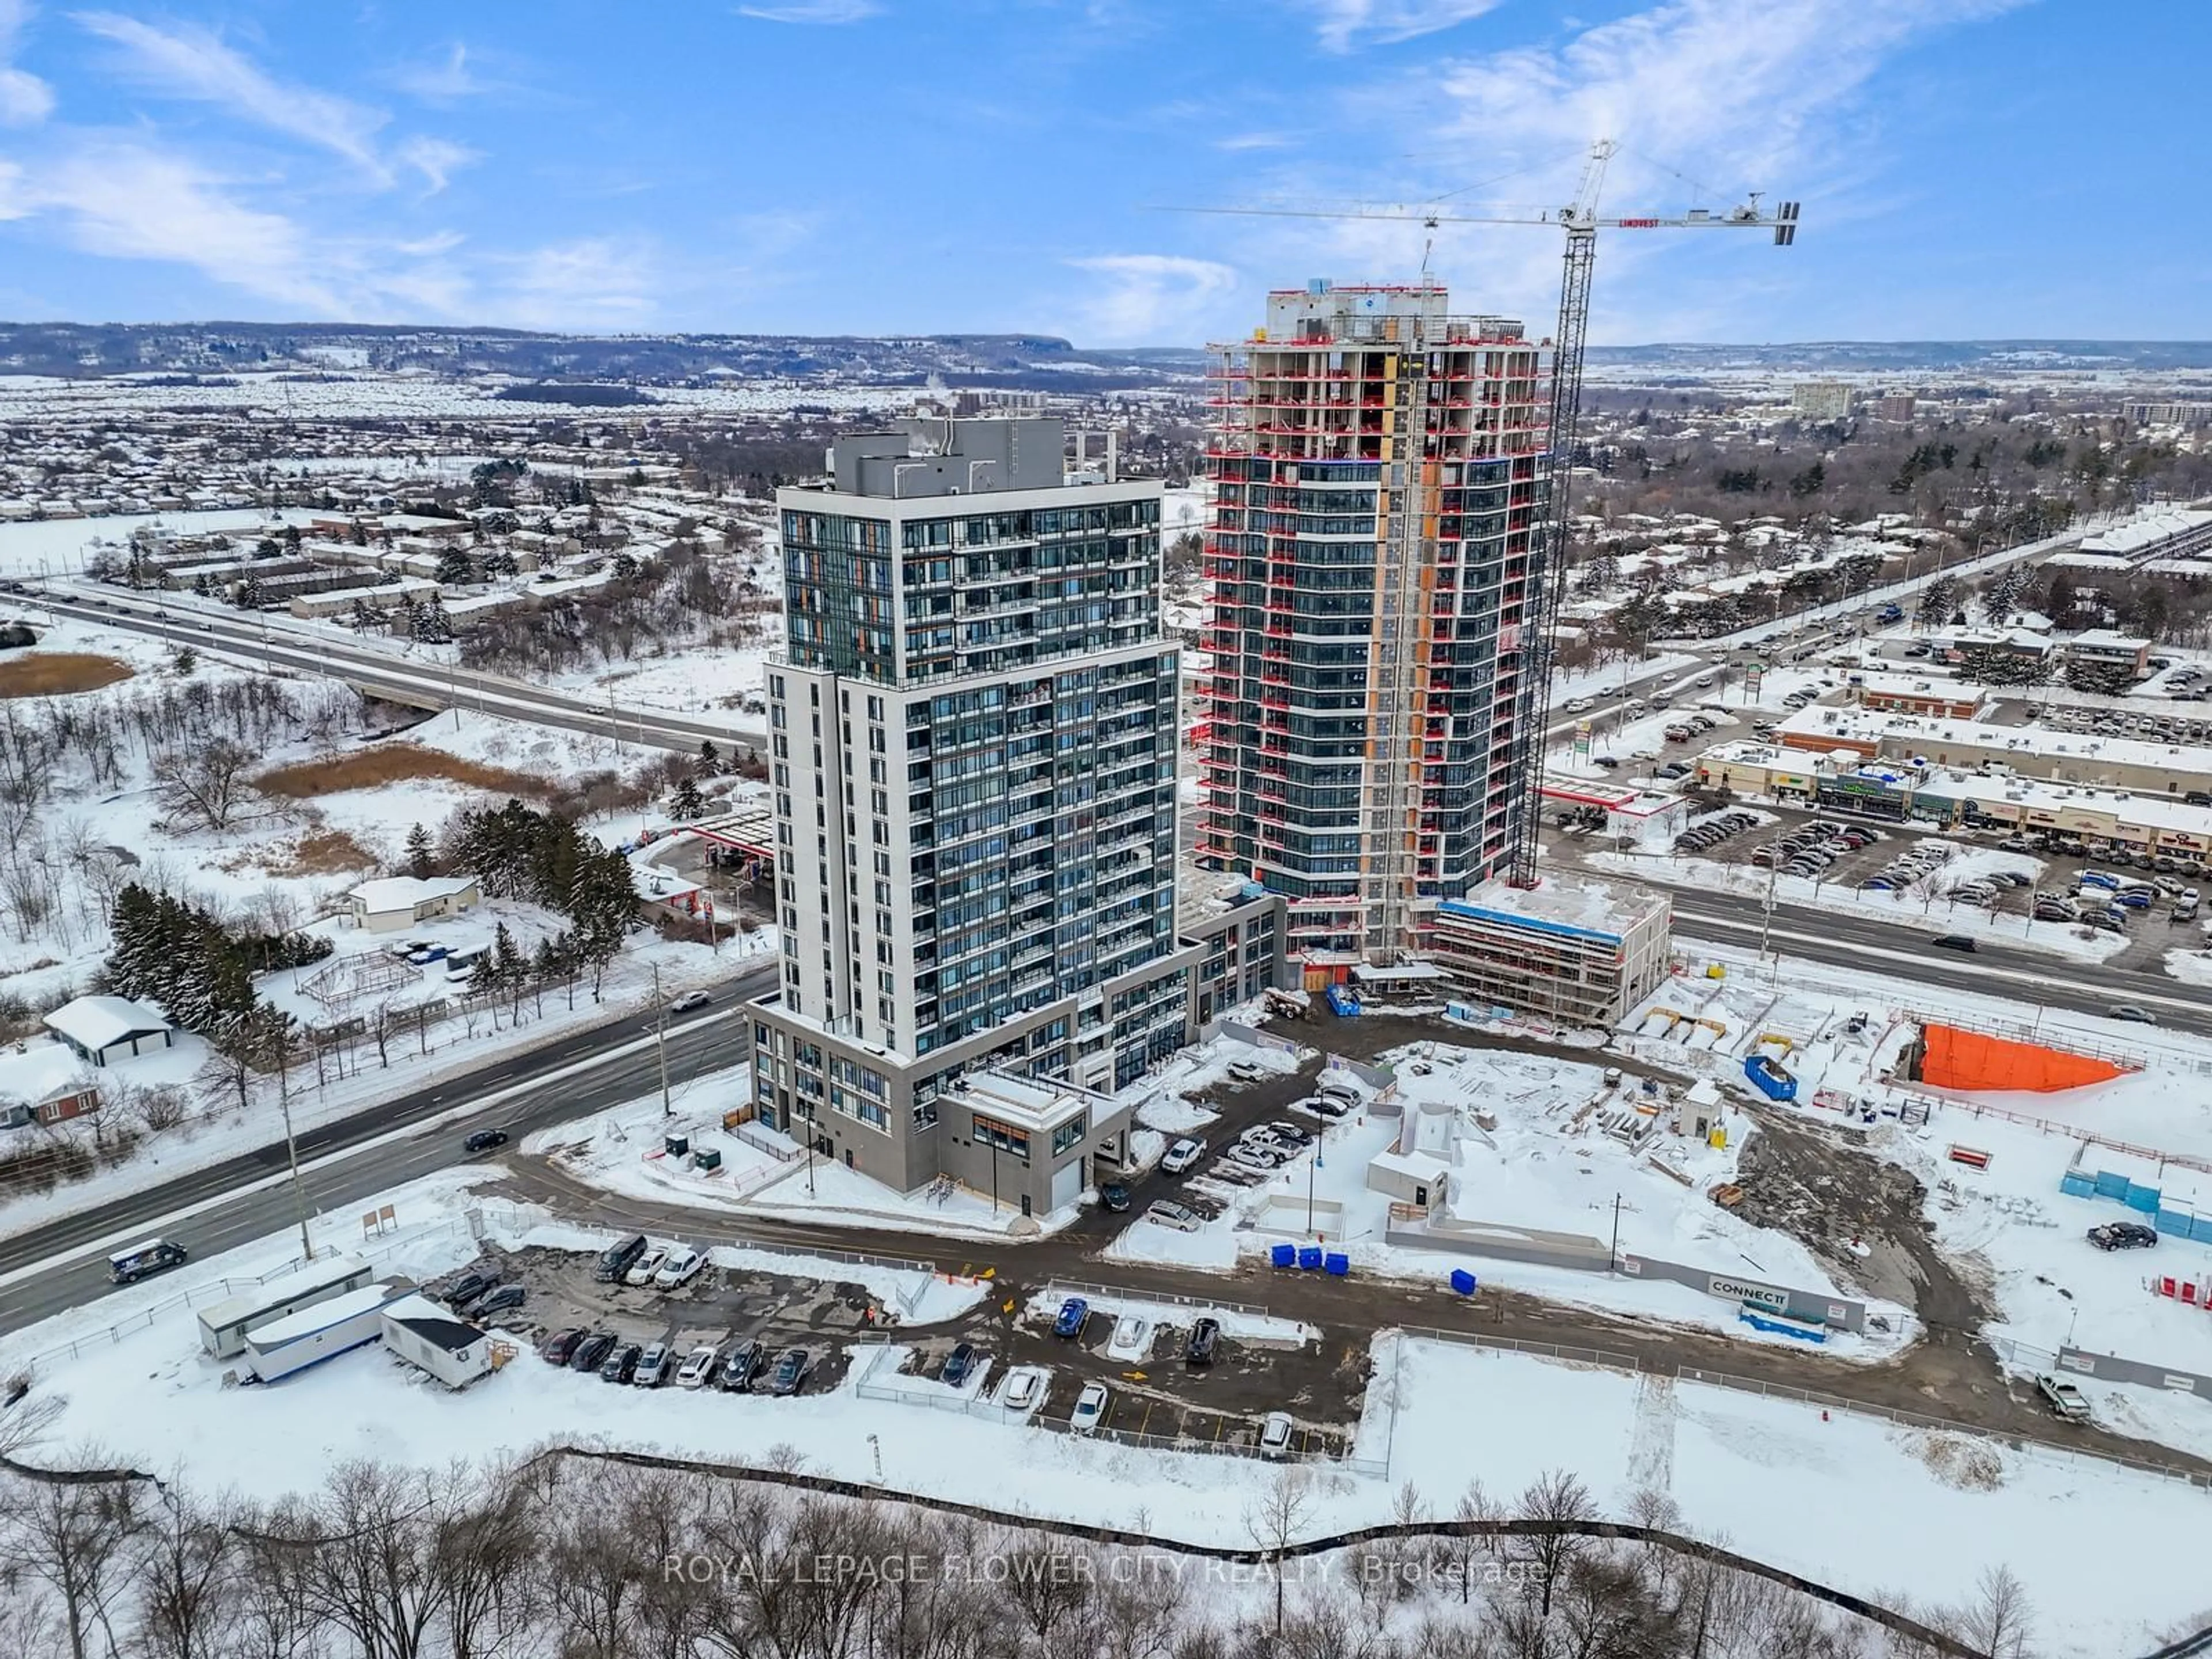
[(813, 11), (592, 283), (1150, 298), (1246, 140), (444, 82), (25, 100), (1343, 24), (436, 160), (126, 201), (191, 62)]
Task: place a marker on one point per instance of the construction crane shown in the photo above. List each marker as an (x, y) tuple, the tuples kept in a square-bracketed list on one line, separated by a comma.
[(1548, 565)]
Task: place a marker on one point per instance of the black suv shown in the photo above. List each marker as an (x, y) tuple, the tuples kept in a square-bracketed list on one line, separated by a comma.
[(592, 1352), (618, 1259), (2123, 1236), (485, 1139), (742, 1365), (1204, 1337), (621, 1366)]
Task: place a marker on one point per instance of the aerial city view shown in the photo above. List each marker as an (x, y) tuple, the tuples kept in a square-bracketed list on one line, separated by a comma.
[(964, 829)]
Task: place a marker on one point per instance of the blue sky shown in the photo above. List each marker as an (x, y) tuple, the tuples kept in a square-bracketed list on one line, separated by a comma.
[(1969, 168)]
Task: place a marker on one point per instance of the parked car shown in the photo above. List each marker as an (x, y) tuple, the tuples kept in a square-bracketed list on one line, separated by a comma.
[(959, 1366), (1132, 1340), (592, 1352), (698, 1366), (621, 1366), (500, 1298), (1246, 1071), (642, 1270), (2123, 1236), (618, 1259), (1330, 1106), (688, 1001), (790, 1371), (1090, 1408), (679, 1269), (485, 1139), (1114, 1195), (2063, 1398), (2129, 1010), (562, 1344), (741, 1367), (1204, 1338), (1074, 1314), (468, 1286), (1180, 1217), (1275, 1431), (1256, 1155), (1181, 1156), (1023, 1389), (653, 1368)]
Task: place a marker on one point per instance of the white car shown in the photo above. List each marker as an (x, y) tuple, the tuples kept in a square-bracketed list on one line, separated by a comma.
[(1275, 1434), (647, 1265), (1245, 1071), (2063, 1398), (1023, 1389), (1090, 1408), (1179, 1217), (688, 1001), (1579, 705), (698, 1366), (1181, 1156), (681, 1266), (1257, 1156), (1133, 1339)]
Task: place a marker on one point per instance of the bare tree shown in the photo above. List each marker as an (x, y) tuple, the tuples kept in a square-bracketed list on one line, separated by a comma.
[(1556, 1501), (1275, 1518), (203, 783), (187, 1577), (75, 1537), (1998, 1622)]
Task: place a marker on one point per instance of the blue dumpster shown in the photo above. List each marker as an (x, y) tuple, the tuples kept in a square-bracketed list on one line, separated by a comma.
[(1310, 1256), (1462, 1281), (1337, 1263), (1284, 1255)]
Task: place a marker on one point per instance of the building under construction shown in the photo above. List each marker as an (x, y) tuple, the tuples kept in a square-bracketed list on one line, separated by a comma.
[(1379, 468)]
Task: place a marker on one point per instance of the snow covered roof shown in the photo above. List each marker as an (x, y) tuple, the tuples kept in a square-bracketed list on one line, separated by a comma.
[(427, 1320), (41, 1071), (1420, 1166), (405, 892), (95, 1023), (318, 1317)]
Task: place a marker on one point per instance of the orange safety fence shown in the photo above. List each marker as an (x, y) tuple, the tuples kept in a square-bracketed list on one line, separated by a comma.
[(1957, 1058)]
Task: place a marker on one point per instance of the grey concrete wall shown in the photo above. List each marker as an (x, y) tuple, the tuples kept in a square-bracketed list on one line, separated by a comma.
[(2111, 1368), (1544, 1251), (1816, 1306)]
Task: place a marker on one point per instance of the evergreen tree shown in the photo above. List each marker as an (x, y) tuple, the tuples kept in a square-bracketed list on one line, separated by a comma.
[(432, 625), (685, 803), (500, 561), (710, 759), (454, 565), (419, 860)]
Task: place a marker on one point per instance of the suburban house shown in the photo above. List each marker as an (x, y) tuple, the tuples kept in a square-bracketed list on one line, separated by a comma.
[(392, 902), (44, 1081), (104, 1029)]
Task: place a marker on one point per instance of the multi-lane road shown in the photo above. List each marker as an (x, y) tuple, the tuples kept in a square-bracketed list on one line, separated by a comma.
[(394, 677), (62, 1263)]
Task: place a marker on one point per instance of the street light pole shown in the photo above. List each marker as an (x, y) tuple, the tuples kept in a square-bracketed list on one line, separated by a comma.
[(1613, 1254)]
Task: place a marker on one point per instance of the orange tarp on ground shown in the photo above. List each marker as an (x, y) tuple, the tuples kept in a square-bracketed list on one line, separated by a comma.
[(1975, 1059)]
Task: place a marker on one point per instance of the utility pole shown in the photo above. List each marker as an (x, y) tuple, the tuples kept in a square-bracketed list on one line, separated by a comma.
[(660, 1042), (292, 1148), (1766, 911), (1613, 1255)]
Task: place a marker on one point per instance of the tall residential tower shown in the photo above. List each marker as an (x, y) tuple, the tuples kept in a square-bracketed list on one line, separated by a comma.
[(1379, 484), (972, 732)]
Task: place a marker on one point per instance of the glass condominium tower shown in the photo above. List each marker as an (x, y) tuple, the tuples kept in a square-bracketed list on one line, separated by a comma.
[(1379, 474), (972, 753)]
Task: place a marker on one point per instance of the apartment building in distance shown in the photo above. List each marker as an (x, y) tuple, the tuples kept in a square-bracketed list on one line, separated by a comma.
[(1378, 469), (1821, 400), (973, 744)]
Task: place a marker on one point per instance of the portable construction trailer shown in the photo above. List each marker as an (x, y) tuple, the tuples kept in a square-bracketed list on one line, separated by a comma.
[(223, 1327), (425, 1335), (322, 1332)]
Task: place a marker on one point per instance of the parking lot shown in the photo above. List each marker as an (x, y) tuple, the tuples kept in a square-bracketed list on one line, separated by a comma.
[(2150, 724), (1155, 1396), (1909, 861)]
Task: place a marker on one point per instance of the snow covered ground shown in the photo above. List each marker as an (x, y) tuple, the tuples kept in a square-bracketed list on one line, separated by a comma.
[(763, 1173), (1888, 1512)]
